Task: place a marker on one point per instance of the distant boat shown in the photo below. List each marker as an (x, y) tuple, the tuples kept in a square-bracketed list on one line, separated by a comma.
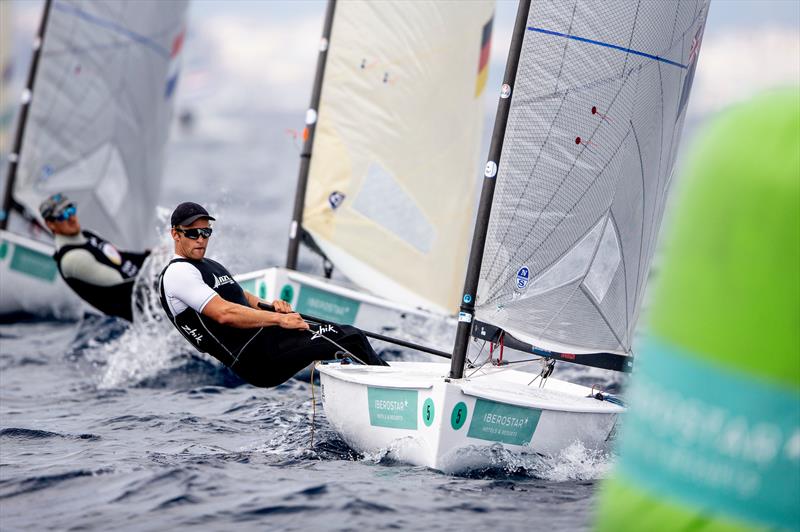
[(587, 130), (93, 124), (389, 167)]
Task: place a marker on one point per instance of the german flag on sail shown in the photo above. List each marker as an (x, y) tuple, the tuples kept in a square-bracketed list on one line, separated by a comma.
[(483, 62)]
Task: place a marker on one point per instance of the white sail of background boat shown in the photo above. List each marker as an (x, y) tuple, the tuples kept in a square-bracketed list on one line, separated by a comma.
[(587, 131), (399, 122), (94, 123), (389, 166)]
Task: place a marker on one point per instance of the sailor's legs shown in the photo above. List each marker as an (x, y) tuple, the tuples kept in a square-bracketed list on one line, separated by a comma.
[(282, 353)]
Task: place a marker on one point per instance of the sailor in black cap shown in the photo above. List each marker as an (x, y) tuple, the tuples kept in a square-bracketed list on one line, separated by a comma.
[(96, 270), (218, 317)]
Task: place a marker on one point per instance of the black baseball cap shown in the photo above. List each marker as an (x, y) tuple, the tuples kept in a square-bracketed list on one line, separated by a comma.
[(187, 212)]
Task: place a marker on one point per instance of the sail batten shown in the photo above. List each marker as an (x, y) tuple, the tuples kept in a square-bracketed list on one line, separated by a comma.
[(594, 124)]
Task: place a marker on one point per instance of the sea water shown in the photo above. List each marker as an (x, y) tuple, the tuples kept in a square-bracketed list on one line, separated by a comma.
[(105, 426), (84, 446)]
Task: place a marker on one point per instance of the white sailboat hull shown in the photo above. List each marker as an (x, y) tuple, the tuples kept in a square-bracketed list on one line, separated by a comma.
[(29, 280), (413, 411), (30, 284), (326, 300)]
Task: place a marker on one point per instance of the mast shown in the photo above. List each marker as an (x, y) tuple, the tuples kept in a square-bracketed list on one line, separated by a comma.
[(305, 156), (467, 308), (27, 97)]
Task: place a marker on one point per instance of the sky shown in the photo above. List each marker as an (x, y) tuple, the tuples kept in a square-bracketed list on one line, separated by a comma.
[(261, 54), (271, 46)]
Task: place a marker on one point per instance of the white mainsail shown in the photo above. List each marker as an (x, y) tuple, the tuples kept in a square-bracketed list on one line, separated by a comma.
[(593, 129), (100, 112), (391, 187)]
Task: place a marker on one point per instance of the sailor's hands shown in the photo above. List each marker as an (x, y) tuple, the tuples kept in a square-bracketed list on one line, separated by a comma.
[(292, 320), (282, 306)]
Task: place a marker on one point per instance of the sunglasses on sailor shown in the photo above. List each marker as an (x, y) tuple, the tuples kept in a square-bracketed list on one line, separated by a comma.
[(64, 214), (195, 232)]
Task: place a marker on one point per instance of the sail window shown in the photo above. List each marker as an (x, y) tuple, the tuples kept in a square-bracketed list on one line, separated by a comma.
[(400, 216), (606, 262), (113, 186), (570, 267)]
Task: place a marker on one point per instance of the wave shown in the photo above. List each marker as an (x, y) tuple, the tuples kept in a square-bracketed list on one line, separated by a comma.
[(12, 487), (192, 371), (148, 353), (23, 434), (574, 463)]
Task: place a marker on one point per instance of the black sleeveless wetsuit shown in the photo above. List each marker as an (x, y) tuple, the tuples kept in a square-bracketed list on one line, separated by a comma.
[(265, 356), (114, 300)]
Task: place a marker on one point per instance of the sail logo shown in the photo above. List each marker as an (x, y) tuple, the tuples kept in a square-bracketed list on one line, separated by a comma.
[(523, 277), (221, 280), (47, 172), (336, 199), (174, 68)]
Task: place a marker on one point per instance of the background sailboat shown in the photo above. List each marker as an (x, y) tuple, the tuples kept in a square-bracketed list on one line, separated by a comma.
[(94, 122), (389, 167), (587, 130)]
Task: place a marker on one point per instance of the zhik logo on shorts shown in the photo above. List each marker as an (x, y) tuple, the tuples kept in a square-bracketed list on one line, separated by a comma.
[(322, 330)]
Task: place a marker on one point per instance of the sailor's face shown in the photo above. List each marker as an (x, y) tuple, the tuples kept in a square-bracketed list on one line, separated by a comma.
[(187, 247), (68, 227)]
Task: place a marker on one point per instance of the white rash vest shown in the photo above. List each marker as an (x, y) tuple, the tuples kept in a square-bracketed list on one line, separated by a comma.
[(184, 287)]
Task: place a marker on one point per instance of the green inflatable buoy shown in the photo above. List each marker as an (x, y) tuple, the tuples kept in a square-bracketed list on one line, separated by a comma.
[(712, 438)]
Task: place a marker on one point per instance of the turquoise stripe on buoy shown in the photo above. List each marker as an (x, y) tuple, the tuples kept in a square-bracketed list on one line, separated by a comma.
[(697, 435)]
